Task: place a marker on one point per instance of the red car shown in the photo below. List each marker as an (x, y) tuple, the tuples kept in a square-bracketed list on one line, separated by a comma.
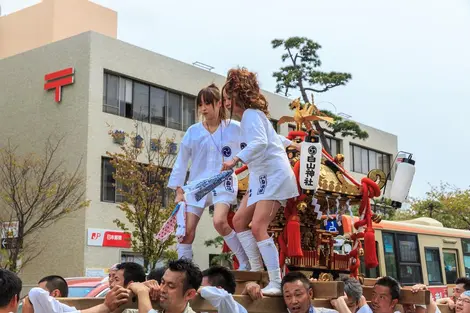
[(86, 287)]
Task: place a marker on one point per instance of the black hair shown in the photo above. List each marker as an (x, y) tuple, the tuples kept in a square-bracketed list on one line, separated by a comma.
[(157, 274), (293, 277), (392, 284), (54, 282), (465, 281), (219, 276), (192, 273), (10, 286), (133, 272)]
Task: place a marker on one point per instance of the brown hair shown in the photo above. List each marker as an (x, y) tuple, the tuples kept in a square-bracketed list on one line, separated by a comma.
[(211, 95), (242, 85)]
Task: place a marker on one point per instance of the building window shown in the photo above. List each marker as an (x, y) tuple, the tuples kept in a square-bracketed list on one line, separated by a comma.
[(402, 258), (335, 145), (365, 160), (127, 256), (143, 102), (110, 189), (109, 192), (275, 124), (433, 266), (466, 257)]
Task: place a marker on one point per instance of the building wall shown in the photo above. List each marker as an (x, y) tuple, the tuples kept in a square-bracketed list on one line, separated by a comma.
[(50, 21), (24, 30), (29, 116)]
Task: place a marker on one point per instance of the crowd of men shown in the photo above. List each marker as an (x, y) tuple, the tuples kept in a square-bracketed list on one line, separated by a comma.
[(174, 286)]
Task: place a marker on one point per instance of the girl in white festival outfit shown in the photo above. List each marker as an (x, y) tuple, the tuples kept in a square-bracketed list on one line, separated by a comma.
[(207, 144), (272, 180)]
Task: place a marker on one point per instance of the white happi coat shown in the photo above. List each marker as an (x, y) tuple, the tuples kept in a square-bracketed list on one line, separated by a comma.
[(271, 175), (206, 152)]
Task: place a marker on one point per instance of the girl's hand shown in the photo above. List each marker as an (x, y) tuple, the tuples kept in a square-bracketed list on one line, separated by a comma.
[(296, 145), (229, 165), (179, 195)]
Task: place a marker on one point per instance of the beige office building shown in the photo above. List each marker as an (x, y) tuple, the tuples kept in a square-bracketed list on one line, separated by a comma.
[(112, 81)]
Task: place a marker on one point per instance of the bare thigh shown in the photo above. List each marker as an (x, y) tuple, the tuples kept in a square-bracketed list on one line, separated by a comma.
[(191, 224), (264, 214), (243, 216), (220, 219)]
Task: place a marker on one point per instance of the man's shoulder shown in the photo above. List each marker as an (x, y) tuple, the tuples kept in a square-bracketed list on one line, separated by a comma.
[(325, 310), (364, 309), (189, 310)]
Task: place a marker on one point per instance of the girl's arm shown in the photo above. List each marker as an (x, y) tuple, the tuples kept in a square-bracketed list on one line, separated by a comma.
[(180, 168), (255, 137), (285, 142)]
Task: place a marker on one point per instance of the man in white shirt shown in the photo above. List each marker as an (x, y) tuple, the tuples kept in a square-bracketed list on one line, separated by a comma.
[(55, 285), (10, 289), (218, 286)]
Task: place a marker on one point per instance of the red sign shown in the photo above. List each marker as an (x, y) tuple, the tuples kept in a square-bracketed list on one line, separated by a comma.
[(108, 238), (438, 292), (59, 79)]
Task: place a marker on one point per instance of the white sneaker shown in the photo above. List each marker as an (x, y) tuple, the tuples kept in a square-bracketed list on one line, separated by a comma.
[(272, 289), (274, 286)]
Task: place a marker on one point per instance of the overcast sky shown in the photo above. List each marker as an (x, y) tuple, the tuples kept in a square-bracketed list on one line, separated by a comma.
[(410, 60)]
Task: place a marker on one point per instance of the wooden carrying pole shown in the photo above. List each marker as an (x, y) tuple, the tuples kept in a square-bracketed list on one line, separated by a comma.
[(323, 293)]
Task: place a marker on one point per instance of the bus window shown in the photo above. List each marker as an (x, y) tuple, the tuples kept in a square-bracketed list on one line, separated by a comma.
[(404, 265), (450, 265), (466, 256), (389, 251), (410, 268), (433, 266)]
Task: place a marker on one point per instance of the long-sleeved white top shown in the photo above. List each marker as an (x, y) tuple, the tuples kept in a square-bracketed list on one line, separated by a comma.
[(264, 145), (44, 303), (222, 300), (207, 152), (271, 174)]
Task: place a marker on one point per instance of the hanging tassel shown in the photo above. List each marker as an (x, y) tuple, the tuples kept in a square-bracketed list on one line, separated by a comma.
[(294, 243), (370, 256)]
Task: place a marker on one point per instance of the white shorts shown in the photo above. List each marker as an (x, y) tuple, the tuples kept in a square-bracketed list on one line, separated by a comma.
[(224, 193), (277, 185)]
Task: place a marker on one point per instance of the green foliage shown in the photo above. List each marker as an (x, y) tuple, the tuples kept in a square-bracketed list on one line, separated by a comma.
[(445, 203), (384, 208), (223, 259), (141, 178), (346, 128), (302, 53), (36, 190), (302, 74)]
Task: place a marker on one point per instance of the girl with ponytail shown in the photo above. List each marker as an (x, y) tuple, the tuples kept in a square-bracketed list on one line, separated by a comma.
[(207, 145)]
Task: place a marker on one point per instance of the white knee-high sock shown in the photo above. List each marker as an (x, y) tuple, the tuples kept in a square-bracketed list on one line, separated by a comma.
[(234, 244), (248, 242), (185, 251), (269, 253), (271, 259)]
